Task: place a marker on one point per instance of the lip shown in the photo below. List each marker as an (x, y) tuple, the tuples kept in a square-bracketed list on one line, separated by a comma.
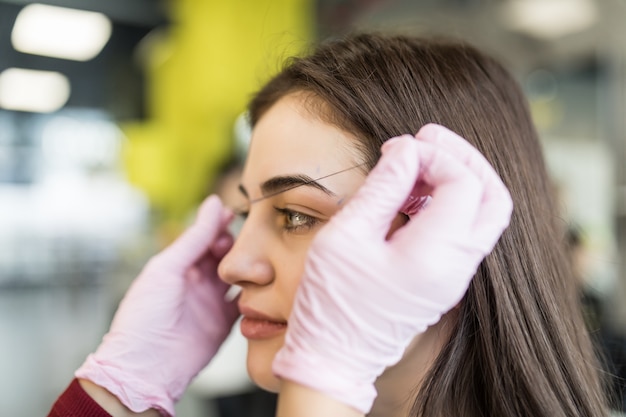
[(256, 325)]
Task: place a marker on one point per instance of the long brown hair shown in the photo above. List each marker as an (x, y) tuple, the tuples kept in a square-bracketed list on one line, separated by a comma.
[(520, 347)]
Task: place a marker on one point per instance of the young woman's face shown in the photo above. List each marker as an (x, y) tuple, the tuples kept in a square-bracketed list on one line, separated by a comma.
[(289, 147)]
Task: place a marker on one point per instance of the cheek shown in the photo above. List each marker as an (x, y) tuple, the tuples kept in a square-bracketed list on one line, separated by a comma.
[(288, 263), (289, 273)]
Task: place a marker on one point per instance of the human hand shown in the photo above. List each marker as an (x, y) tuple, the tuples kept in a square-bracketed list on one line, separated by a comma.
[(363, 297), (171, 321)]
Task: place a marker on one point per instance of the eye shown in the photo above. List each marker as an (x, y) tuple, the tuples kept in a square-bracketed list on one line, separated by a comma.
[(295, 221), (241, 212)]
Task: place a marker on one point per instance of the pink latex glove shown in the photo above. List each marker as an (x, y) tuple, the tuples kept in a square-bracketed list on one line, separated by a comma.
[(171, 321), (362, 298)]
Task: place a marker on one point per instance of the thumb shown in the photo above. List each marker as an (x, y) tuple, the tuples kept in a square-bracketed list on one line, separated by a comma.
[(385, 190), (197, 239)]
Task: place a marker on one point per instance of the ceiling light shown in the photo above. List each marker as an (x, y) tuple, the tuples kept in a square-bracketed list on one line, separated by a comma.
[(33, 90), (549, 19), (60, 32)]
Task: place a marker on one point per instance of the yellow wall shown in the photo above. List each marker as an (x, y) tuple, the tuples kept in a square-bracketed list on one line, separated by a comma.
[(200, 73)]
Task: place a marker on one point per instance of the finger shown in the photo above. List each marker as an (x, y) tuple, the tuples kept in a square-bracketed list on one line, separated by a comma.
[(206, 267), (227, 215), (416, 202), (455, 197), (460, 148), (496, 206), (386, 188), (197, 239), (493, 219), (223, 243)]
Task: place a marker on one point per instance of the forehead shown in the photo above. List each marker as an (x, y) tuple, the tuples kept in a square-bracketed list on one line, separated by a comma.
[(291, 139)]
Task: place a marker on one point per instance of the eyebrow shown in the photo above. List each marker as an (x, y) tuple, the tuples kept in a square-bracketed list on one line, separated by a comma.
[(280, 184)]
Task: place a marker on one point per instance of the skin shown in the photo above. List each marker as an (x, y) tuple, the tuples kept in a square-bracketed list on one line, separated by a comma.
[(110, 403), (267, 259)]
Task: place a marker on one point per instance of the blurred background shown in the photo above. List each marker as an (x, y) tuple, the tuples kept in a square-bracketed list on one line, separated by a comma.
[(117, 117)]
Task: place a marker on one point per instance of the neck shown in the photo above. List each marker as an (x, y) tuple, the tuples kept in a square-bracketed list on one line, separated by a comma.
[(398, 385)]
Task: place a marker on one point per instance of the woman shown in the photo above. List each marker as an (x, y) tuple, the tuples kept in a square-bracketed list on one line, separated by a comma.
[(510, 341)]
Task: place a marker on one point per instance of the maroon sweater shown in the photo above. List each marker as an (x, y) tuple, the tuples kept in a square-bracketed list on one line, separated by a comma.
[(75, 402)]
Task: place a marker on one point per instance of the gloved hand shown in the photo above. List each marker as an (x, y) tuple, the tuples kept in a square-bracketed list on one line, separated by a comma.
[(171, 321), (362, 298)]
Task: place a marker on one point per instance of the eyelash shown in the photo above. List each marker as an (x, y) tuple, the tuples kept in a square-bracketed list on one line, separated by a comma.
[(308, 222)]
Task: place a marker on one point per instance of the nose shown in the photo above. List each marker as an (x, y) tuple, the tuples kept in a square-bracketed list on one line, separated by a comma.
[(248, 262)]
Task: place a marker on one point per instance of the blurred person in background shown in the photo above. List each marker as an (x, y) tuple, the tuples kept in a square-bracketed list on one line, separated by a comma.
[(381, 273), (611, 345)]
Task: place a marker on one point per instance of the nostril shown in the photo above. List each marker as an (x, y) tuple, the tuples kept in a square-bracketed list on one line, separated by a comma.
[(262, 269)]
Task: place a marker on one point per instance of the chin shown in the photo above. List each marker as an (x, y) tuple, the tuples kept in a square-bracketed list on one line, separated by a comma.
[(259, 363)]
